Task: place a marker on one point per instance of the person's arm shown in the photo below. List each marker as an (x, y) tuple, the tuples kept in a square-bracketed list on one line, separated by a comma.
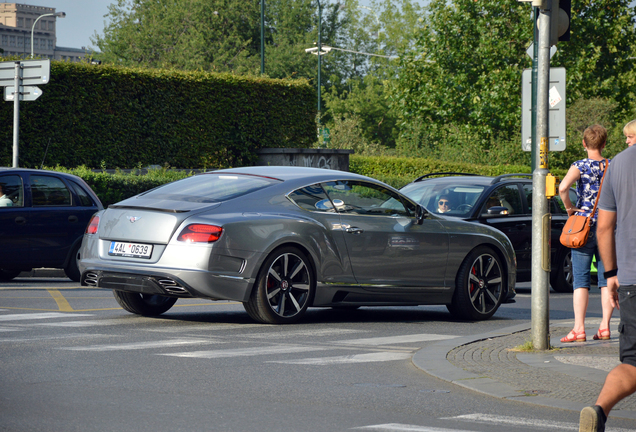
[(570, 178), (606, 240)]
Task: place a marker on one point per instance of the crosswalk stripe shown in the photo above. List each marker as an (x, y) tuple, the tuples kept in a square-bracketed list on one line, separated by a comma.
[(206, 327), (245, 352), (51, 337), (536, 424), (142, 345), (85, 323), (396, 340), (295, 333), (357, 358), (396, 427), (37, 316)]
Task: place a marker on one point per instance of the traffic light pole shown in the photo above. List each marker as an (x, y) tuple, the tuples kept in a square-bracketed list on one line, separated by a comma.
[(540, 215)]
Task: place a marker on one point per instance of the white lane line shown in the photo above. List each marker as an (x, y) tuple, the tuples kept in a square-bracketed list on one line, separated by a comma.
[(142, 345), (206, 327), (397, 427), (396, 340), (245, 352), (294, 333), (84, 323), (53, 337), (10, 329), (533, 424), (357, 358), (37, 316)]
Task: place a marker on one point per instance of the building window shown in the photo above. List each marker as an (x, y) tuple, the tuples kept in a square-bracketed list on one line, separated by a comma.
[(51, 47), (20, 41), (12, 41), (29, 22), (5, 40), (51, 25), (35, 43), (27, 43), (20, 22)]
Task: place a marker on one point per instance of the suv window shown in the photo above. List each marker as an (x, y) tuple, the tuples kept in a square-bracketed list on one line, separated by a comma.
[(49, 191), (12, 190), (505, 196)]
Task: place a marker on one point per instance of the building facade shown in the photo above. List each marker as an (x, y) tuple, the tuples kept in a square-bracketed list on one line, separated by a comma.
[(17, 30)]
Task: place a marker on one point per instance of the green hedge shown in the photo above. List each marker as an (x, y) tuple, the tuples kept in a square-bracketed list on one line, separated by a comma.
[(121, 117), (397, 172)]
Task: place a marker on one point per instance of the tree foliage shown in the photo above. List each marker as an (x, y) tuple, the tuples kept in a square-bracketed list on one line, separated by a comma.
[(460, 84)]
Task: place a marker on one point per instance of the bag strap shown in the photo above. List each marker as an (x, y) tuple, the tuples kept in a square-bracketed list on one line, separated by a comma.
[(605, 163)]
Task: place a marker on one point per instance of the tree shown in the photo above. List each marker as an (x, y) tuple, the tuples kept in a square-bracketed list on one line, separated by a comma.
[(461, 81)]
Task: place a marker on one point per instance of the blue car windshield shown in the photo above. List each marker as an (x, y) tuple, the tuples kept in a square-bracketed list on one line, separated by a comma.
[(210, 188), (452, 199)]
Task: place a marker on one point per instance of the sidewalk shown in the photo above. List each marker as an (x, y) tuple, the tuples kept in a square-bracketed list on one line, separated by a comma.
[(569, 376)]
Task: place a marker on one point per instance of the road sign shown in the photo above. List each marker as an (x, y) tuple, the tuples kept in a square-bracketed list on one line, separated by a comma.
[(28, 93), (556, 115), (33, 72)]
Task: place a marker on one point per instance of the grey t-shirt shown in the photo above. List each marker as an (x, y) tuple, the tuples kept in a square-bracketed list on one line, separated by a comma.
[(619, 195)]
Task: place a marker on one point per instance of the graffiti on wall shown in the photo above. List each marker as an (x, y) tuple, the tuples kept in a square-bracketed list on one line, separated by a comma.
[(318, 162)]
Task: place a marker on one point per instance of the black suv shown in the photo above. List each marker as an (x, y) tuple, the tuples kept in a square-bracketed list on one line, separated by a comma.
[(503, 202)]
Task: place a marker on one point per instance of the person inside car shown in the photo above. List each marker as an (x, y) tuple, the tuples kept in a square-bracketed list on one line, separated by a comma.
[(443, 204), (5, 201)]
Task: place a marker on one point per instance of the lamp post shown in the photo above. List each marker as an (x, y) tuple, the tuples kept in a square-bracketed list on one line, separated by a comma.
[(319, 53), (57, 14), (262, 37)]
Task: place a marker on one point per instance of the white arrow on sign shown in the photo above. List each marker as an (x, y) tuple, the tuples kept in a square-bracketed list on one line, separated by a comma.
[(29, 93)]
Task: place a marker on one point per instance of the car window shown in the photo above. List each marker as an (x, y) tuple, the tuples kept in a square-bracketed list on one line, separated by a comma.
[(12, 193), (49, 191), (84, 198), (358, 197), (505, 196), (210, 188), (312, 198), (444, 197), (557, 205), (527, 191)]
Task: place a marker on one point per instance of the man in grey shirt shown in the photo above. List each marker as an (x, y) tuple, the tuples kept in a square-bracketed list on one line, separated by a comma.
[(616, 236)]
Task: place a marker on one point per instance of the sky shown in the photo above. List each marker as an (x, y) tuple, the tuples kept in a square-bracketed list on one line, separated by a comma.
[(83, 19)]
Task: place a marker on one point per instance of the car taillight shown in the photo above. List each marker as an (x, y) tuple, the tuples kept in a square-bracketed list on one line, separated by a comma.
[(200, 233), (92, 225)]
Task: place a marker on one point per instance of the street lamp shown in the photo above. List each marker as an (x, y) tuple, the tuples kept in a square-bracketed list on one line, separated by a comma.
[(57, 14), (319, 53)]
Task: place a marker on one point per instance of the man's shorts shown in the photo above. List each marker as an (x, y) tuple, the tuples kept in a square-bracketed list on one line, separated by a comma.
[(627, 326)]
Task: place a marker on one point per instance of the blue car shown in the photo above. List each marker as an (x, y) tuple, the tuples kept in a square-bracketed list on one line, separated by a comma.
[(43, 216)]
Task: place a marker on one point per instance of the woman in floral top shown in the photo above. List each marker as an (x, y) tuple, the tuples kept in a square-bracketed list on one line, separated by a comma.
[(587, 174)]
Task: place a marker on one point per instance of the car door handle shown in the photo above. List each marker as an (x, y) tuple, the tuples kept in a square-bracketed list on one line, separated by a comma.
[(73, 218), (354, 230), (20, 220)]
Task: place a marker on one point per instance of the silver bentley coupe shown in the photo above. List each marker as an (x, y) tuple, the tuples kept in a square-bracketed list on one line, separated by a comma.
[(282, 239)]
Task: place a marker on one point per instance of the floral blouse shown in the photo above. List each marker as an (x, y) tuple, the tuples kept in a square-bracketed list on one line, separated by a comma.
[(588, 185)]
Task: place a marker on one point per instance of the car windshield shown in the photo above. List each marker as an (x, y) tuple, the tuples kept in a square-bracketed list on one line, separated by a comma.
[(449, 198), (210, 188)]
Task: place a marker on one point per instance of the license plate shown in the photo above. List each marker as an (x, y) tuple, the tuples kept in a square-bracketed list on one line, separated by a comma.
[(134, 250)]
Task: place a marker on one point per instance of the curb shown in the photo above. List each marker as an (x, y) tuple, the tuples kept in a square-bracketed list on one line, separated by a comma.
[(433, 361)]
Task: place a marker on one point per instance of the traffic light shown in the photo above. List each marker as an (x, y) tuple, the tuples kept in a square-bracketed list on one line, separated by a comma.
[(560, 22)]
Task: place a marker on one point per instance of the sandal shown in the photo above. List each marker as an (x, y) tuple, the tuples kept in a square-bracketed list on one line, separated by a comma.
[(574, 337), (602, 334)]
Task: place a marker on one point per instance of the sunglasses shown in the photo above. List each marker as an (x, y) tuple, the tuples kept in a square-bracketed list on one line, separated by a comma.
[(444, 203)]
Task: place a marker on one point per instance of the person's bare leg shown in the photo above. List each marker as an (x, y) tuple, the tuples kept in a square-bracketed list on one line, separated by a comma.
[(608, 310), (580, 299), (619, 383)]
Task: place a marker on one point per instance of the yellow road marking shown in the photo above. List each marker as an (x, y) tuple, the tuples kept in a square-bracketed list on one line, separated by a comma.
[(62, 303)]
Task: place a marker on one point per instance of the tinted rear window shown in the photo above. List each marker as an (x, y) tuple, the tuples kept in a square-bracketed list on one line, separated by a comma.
[(210, 188)]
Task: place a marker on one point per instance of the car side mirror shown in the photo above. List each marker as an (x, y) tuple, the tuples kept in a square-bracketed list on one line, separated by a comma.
[(496, 211), (420, 214)]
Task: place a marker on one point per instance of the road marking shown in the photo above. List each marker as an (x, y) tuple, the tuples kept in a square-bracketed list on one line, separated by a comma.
[(356, 358), (56, 337), (391, 427), (245, 352), (184, 327), (533, 424), (142, 345), (396, 340), (37, 316), (289, 334), (84, 323), (61, 301)]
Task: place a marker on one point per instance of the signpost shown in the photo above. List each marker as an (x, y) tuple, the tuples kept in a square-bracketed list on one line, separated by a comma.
[(22, 75)]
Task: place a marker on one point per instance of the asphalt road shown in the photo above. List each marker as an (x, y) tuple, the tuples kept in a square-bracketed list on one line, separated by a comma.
[(72, 360)]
